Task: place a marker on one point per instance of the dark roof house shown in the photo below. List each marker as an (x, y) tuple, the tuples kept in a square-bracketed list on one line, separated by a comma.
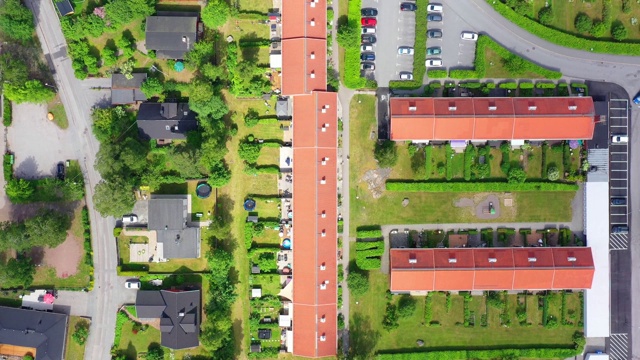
[(283, 109), (127, 91), (179, 314), (168, 217), (45, 332), (165, 120), (171, 34), (64, 7)]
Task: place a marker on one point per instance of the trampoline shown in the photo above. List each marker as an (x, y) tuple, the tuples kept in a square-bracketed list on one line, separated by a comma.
[(249, 204), (203, 190), (286, 244)]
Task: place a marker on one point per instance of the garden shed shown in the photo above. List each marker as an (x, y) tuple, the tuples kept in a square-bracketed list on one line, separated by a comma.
[(64, 7)]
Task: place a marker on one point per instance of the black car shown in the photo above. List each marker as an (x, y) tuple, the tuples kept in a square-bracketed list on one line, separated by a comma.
[(369, 12), (60, 172), (408, 6), (620, 229), (434, 34), (368, 39), (367, 56), (434, 17), (618, 201)]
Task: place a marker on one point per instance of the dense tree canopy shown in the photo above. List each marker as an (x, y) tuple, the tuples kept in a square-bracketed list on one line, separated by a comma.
[(216, 13), (12, 70), (114, 198), (386, 153), (16, 21), (30, 91), (110, 123), (48, 228), (16, 273), (204, 101), (125, 11), (358, 283), (152, 87)]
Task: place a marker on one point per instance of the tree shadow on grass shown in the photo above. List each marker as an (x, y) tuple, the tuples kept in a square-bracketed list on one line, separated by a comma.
[(362, 337)]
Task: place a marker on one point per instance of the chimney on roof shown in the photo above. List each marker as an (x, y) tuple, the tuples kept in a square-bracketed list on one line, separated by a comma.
[(532, 107), (312, 74), (323, 319), (324, 214), (452, 260), (413, 108), (323, 337), (412, 258), (572, 259), (312, 55), (323, 267), (493, 260), (323, 181), (573, 107), (532, 259), (323, 233), (312, 22), (452, 108), (493, 108), (312, 3), (181, 314)]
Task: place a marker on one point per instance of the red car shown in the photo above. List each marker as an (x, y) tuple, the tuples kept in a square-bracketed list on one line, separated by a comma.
[(368, 22)]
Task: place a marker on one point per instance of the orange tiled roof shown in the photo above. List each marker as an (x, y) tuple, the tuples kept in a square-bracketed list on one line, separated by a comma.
[(491, 269), (559, 118), (315, 205)]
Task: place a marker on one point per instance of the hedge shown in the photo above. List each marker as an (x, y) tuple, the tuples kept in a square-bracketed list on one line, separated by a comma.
[(6, 113), (370, 252), (352, 78), (562, 38), (420, 51), (369, 233), (368, 263), (436, 73), (365, 245), (490, 186), (254, 43), (537, 353)]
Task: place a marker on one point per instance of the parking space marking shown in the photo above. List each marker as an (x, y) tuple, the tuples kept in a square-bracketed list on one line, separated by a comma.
[(619, 347), (618, 242)]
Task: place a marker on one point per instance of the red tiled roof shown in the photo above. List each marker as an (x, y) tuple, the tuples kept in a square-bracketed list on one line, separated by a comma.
[(491, 269), (304, 66), (315, 223), (560, 118), (304, 18)]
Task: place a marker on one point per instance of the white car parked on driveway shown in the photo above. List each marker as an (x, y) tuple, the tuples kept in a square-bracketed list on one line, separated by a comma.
[(433, 63), (468, 35), (434, 8)]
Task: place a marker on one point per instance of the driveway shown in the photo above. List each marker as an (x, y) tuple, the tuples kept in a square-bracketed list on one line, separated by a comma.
[(456, 53), (38, 144)]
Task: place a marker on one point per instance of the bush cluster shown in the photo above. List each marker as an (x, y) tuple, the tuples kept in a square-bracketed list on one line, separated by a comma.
[(369, 232), (7, 113), (369, 254)]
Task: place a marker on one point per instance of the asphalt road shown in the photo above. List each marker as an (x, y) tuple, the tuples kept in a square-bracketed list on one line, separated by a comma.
[(456, 53), (78, 99)]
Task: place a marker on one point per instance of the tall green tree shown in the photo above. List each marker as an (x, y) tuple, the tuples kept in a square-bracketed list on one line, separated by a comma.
[(386, 153), (33, 91), (110, 123), (12, 70), (48, 228), (17, 273), (125, 11), (216, 13), (16, 21), (114, 198), (152, 87)]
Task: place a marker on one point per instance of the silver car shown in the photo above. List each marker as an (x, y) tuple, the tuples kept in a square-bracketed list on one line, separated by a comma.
[(405, 50)]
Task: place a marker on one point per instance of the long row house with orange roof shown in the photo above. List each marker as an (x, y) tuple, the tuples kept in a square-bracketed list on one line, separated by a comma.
[(314, 170), (485, 119), (418, 271)]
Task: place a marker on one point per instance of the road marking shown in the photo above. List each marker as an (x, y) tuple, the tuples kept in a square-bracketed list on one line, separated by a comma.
[(618, 206), (618, 152), (617, 108), (619, 170), (618, 188), (618, 347)]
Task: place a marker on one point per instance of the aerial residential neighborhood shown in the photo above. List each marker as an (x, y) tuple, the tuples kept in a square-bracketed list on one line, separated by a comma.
[(325, 179)]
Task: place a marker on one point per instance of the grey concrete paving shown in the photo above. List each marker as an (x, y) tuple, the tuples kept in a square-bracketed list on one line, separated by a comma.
[(456, 53), (38, 144)]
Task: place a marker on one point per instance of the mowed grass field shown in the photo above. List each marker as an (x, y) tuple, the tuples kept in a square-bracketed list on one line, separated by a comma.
[(431, 207)]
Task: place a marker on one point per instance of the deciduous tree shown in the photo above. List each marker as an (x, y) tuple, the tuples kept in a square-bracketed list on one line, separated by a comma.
[(216, 13), (48, 228), (114, 198), (16, 21)]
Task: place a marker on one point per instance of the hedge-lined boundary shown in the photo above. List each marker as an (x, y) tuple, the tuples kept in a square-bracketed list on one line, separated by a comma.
[(561, 38), (352, 78), (542, 353), (366, 245), (491, 186), (369, 258), (480, 66), (6, 113), (369, 233), (419, 53)]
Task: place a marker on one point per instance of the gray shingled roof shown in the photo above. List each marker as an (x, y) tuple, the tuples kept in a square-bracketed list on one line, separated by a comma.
[(119, 81), (171, 36), (149, 304), (179, 319), (165, 120), (282, 109), (168, 216), (127, 91), (180, 244), (44, 331)]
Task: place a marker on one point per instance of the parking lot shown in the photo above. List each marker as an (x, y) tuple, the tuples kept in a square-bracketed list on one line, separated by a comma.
[(394, 28), (456, 53), (619, 171)]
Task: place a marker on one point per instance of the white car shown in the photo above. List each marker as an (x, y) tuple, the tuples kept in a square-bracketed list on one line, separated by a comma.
[(433, 63), (132, 284), (366, 48), (434, 8), (405, 50), (468, 35), (620, 139), (405, 75), (368, 30), (129, 219)]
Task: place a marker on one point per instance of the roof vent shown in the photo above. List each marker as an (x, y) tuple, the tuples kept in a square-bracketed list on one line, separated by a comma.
[(313, 4), (326, 125), (181, 314), (327, 106), (573, 107), (323, 267), (532, 259), (413, 108), (493, 108), (493, 260), (312, 74), (413, 261), (312, 23), (175, 128), (323, 319), (168, 128), (313, 55), (452, 108), (323, 233), (324, 214), (452, 260), (532, 108), (184, 39), (323, 338), (572, 259)]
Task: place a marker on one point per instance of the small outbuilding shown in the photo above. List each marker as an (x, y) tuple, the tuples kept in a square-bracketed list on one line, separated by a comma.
[(255, 269), (256, 293), (283, 110), (256, 348), (64, 7), (264, 334)]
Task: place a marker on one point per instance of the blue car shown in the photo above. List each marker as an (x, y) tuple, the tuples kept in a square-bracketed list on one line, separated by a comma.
[(636, 100)]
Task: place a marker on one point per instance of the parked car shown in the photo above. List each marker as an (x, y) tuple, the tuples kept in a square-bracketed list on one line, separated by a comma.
[(370, 39), (367, 56), (468, 35), (367, 66), (405, 50), (435, 50), (368, 22), (636, 100), (369, 12), (129, 219), (132, 284), (405, 6), (619, 139), (434, 34), (60, 171), (620, 229), (433, 63), (434, 17), (366, 47), (368, 30), (618, 201), (434, 8), (406, 75)]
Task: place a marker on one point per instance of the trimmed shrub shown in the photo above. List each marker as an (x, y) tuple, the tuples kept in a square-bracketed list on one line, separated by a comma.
[(436, 73), (6, 113)]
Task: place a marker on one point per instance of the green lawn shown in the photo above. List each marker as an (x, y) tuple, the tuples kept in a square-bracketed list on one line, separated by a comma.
[(56, 109), (198, 205), (367, 334), (436, 207), (270, 283), (74, 350)]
